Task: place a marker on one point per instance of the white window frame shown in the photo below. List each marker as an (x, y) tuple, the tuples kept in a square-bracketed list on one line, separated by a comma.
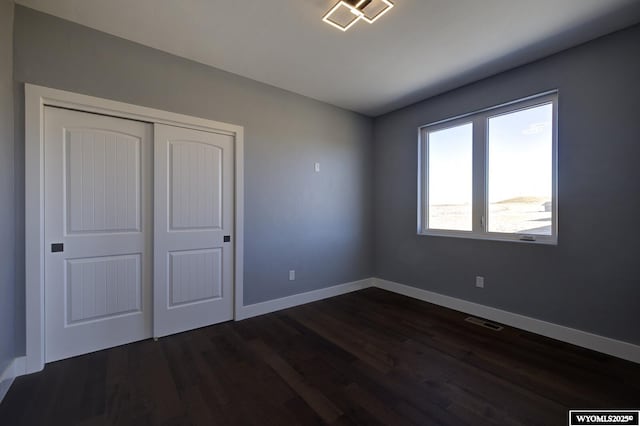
[(480, 204)]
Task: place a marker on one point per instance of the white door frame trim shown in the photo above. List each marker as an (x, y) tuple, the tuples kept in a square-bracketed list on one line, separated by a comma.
[(36, 98)]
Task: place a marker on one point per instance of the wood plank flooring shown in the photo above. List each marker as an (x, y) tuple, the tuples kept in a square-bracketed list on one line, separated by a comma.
[(369, 358)]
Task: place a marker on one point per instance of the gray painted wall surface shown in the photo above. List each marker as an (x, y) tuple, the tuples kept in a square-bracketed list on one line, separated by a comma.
[(591, 280), (7, 205), (319, 224), (323, 224)]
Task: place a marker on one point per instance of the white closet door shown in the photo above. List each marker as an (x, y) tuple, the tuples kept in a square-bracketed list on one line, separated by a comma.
[(98, 229), (194, 196)]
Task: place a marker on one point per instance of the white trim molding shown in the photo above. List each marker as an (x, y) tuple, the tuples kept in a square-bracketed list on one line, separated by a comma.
[(576, 337), (249, 311), (478, 123), (36, 98), (13, 370)]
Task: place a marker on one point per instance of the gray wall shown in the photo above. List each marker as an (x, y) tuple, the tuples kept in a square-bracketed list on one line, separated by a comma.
[(323, 224), (7, 206), (591, 280), (319, 224)]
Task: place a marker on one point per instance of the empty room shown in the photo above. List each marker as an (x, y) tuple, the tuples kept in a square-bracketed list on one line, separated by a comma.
[(307, 212)]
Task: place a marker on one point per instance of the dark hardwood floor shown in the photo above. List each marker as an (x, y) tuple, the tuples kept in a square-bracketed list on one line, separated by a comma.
[(370, 357)]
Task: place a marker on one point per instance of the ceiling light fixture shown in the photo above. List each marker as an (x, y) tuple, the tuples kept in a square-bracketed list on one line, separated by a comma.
[(345, 13)]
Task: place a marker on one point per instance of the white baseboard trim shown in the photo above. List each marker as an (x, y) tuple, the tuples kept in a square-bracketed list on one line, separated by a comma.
[(581, 338), (13, 370), (576, 337), (269, 306)]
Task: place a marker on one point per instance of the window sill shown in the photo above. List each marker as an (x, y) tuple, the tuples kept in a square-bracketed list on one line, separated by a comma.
[(488, 236)]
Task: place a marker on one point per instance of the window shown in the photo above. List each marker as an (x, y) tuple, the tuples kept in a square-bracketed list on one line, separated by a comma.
[(492, 174)]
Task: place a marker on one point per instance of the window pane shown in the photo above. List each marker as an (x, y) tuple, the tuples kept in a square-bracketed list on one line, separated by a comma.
[(450, 178), (520, 171)]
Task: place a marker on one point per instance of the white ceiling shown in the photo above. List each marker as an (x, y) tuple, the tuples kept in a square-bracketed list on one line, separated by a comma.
[(419, 49)]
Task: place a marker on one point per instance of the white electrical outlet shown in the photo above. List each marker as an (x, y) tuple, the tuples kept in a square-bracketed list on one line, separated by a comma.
[(480, 281), (316, 167), (292, 275)]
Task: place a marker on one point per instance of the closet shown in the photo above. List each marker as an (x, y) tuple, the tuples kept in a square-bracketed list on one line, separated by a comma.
[(138, 230)]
